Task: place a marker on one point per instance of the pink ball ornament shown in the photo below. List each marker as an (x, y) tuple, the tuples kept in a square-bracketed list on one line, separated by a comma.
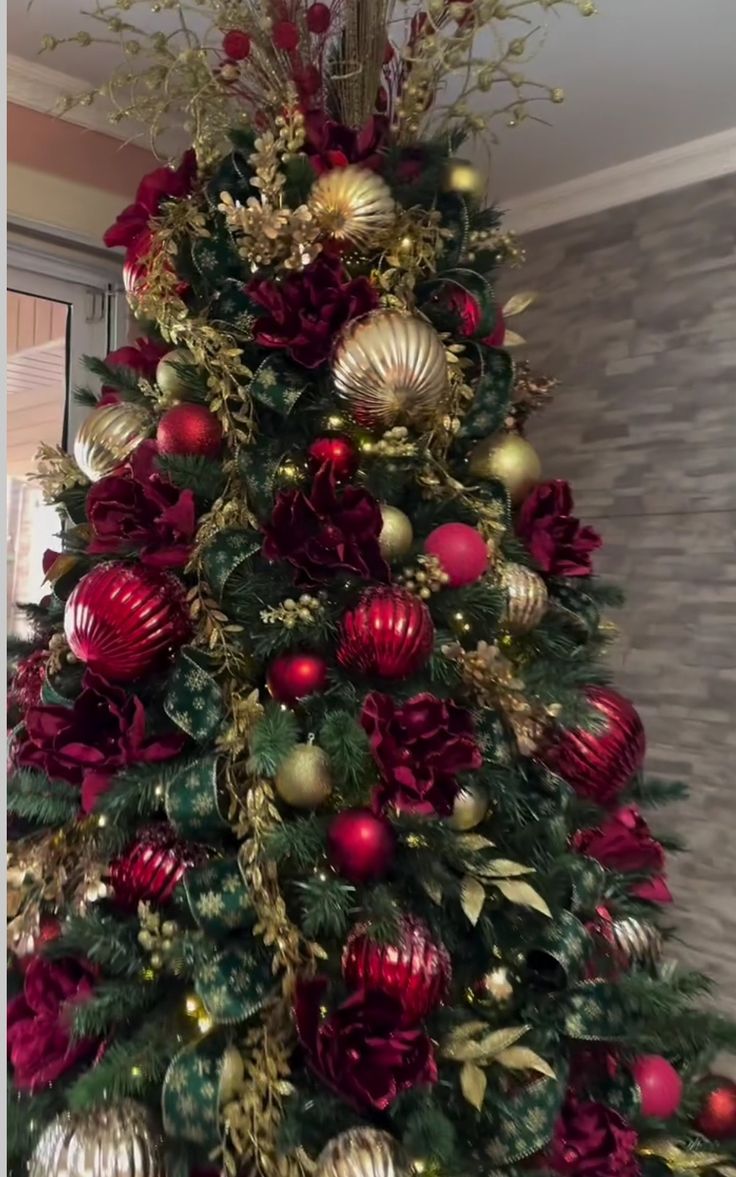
[(660, 1087), (461, 551)]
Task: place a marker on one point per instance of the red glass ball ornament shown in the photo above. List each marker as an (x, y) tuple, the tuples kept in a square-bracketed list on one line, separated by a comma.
[(388, 633), (318, 18), (660, 1087), (292, 677), (150, 870), (124, 619), (338, 450), (461, 551), (360, 846), (236, 44), (285, 35), (189, 429), (415, 970), (717, 1116), (600, 764), (27, 682)]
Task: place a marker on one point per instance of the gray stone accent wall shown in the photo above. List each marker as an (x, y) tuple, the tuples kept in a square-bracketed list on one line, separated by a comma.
[(637, 315)]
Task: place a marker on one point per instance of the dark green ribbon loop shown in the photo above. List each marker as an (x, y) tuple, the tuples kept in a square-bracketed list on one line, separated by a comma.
[(278, 385), (233, 984), (588, 881), (259, 466), (194, 801), (527, 1119), (193, 699), (577, 608), (558, 958), (490, 404), (225, 555), (50, 697), (594, 1012), (477, 287), (190, 1098), (218, 898)]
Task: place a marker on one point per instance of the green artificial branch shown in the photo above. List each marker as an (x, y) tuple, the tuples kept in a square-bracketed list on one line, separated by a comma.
[(33, 797), (104, 939), (112, 1004), (130, 1068), (272, 740), (327, 905)]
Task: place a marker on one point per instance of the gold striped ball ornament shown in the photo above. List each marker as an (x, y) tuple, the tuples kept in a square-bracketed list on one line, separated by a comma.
[(354, 205), (638, 943), (510, 459), (526, 598), (397, 534), (115, 1140), (303, 779), (171, 378), (108, 436), (390, 367), (362, 1152)]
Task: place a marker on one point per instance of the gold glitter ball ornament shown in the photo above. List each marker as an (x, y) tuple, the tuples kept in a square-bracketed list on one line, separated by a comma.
[(469, 808), (108, 436), (362, 1152), (397, 534), (460, 176), (170, 378), (119, 1140), (353, 204), (303, 779), (390, 366), (509, 458), (526, 598)]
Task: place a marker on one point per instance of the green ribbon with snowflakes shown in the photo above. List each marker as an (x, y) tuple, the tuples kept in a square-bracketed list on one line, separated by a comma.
[(225, 555), (490, 404), (232, 985), (557, 959), (193, 698), (278, 384), (217, 897), (525, 1122), (594, 1011), (194, 800), (190, 1097)]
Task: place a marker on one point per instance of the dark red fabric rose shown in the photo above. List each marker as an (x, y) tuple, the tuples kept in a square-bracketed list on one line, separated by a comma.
[(420, 746), (592, 1140), (141, 357), (40, 1045), (103, 731), (552, 534), (333, 145), (360, 1050), (624, 843), (138, 509), (327, 532), (158, 186), (305, 311)]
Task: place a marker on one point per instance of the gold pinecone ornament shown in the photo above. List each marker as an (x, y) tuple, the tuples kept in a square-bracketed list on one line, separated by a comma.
[(353, 204), (117, 1140), (509, 458), (108, 436), (362, 1152), (526, 598)]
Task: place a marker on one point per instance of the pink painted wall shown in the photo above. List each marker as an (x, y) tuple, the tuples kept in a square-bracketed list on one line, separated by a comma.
[(50, 145)]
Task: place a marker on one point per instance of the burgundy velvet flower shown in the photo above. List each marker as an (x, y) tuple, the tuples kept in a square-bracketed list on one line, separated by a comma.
[(160, 185), (139, 509), (141, 357), (553, 535), (592, 1140), (305, 311), (327, 532), (40, 1046), (103, 731), (624, 843), (360, 1050), (333, 145), (419, 746)]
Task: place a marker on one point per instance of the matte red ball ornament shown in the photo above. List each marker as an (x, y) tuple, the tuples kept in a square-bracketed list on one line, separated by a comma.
[(599, 765), (360, 846), (717, 1116), (389, 633), (122, 620), (660, 1087), (285, 35), (461, 551), (292, 677), (151, 869), (415, 970), (189, 429), (339, 451), (236, 44), (318, 18)]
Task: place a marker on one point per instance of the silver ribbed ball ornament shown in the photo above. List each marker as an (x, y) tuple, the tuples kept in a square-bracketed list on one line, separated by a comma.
[(117, 1140), (362, 1152)]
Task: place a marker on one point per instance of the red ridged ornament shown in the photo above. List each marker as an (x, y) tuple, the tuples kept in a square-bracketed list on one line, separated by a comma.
[(388, 633), (415, 970), (151, 869), (599, 765), (122, 620)]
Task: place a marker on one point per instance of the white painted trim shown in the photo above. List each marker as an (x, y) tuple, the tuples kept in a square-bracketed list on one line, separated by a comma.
[(39, 87), (663, 171)]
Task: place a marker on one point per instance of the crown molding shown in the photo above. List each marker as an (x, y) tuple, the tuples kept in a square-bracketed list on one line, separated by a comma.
[(662, 171), (38, 87)]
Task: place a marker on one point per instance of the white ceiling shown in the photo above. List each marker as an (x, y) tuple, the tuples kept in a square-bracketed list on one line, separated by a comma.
[(642, 76)]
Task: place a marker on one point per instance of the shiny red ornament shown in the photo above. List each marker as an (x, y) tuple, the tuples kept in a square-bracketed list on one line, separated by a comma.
[(415, 970), (461, 551), (151, 869), (285, 35), (189, 429), (339, 451), (292, 677), (124, 619), (660, 1087), (236, 44), (360, 846), (599, 765), (27, 682), (717, 1116), (318, 18), (388, 633)]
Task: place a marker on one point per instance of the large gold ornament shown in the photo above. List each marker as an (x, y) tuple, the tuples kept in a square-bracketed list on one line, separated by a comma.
[(391, 366), (169, 377), (526, 598), (362, 1152), (509, 458), (232, 1074), (458, 175), (119, 1140), (469, 808), (397, 534), (353, 204), (303, 779), (638, 942), (107, 437)]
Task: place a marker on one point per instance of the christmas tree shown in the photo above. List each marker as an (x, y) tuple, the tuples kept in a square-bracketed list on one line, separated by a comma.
[(326, 845)]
